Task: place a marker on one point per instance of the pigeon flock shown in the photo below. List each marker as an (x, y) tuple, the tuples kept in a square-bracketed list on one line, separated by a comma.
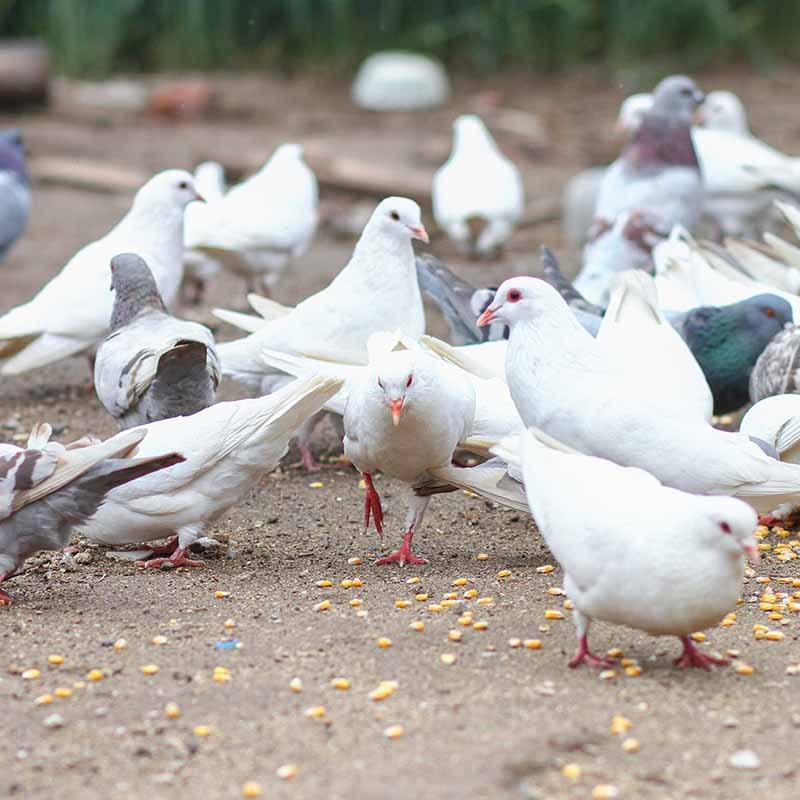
[(661, 334)]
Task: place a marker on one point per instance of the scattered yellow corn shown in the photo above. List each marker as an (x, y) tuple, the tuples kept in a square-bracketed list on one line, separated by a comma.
[(296, 685), (384, 690), (553, 613), (614, 652), (172, 711), (355, 602), (158, 640), (482, 557), (357, 583), (252, 789), (287, 772), (533, 644), (604, 792), (504, 573), (414, 579), (545, 568), (421, 598), (435, 608), (631, 745), (484, 601), (340, 683), (384, 642), (620, 724), (743, 669), (515, 642), (465, 619), (202, 731), (394, 732), (447, 603), (699, 636), (149, 669), (450, 596), (31, 675), (480, 625), (774, 636), (44, 700), (571, 771), (219, 595), (470, 594), (402, 603), (315, 712), (120, 644), (354, 561), (448, 658), (324, 583), (567, 604), (95, 675), (323, 606), (607, 675), (62, 692), (346, 583), (56, 660), (455, 636), (417, 625), (634, 671), (316, 485), (555, 591)]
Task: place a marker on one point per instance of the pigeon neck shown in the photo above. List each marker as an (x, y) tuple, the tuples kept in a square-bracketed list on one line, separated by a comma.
[(158, 224), (473, 140), (134, 299), (374, 250), (662, 141), (13, 162)]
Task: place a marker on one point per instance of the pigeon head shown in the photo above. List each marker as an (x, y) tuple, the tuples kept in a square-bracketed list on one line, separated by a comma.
[(134, 287), (470, 130), (518, 299), (724, 111), (399, 217), (729, 525), (632, 110), (173, 189), (677, 97), (12, 154), (397, 381)]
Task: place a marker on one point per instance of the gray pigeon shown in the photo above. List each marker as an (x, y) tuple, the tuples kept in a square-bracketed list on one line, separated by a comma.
[(15, 190), (152, 366), (777, 370), (46, 489)]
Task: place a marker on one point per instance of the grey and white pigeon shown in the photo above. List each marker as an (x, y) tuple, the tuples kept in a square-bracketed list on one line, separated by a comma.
[(606, 411), (683, 576), (47, 489), (777, 370), (70, 313), (15, 190), (152, 366), (477, 194)]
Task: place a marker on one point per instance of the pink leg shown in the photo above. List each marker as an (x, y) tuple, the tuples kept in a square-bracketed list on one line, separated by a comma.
[(692, 657), (372, 504), (403, 555), (583, 656), (5, 600), (307, 461), (177, 559), (768, 520), (165, 549)]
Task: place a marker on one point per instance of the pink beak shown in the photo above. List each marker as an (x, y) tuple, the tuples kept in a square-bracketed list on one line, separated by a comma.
[(751, 551), (420, 233), (397, 407), (199, 197), (486, 317)]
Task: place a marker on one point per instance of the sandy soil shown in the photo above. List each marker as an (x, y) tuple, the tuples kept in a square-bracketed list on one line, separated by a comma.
[(499, 722)]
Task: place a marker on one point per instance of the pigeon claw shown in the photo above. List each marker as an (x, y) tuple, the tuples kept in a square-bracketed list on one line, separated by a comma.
[(177, 559), (583, 656), (372, 504), (692, 657), (165, 549), (5, 600), (403, 555)]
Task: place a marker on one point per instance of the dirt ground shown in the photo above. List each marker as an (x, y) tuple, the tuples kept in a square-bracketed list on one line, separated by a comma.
[(499, 722)]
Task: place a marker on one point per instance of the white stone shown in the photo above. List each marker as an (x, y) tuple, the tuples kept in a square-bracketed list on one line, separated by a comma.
[(744, 759)]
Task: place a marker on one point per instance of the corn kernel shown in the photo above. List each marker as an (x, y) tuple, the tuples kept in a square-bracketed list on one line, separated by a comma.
[(556, 591), (481, 625), (31, 675), (354, 561), (95, 675), (607, 675), (631, 745), (357, 583), (765, 606), (775, 636), (727, 622), (421, 598), (172, 711), (381, 693), (460, 582), (79, 685), (470, 594), (455, 636), (533, 644), (465, 619), (552, 613), (44, 700), (545, 568), (504, 573), (287, 772), (417, 625), (484, 601), (251, 789), (450, 596), (221, 595), (627, 662), (296, 685), (634, 671), (346, 583), (356, 602), (315, 712), (323, 606), (620, 724), (482, 557), (448, 658), (56, 660), (383, 642), (402, 603), (340, 683), (614, 652), (120, 644), (604, 792), (62, 692), (149, 669), (774, 616), (222, 677), (571, 771), (324, 584), (394, 732), (743, 669), (568, 605), (202, 731), (435, 607), (414, 579), (447, 603), (763, 579)]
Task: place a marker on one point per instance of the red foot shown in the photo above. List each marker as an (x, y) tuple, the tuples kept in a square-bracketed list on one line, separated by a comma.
[(5, 600), (177, 559), (768, 520), (583, 656), (404, 555), (372, 504), (692, 657), (165, 549), (308, 463)]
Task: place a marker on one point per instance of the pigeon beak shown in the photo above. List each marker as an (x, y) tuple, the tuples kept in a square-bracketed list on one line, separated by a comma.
[(397, 407), (199, 197), (751, 551), (699, 116), (419, 233), (485, 318)]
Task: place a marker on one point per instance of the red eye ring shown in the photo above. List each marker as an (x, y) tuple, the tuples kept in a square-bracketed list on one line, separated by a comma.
[(408, 382), (514, 295), (724, 527), (769, 312)]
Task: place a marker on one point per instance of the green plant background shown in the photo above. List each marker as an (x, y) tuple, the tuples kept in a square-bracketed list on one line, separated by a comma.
[(97, 37)]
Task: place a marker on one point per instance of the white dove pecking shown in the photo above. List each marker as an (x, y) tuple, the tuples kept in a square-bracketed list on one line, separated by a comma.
[(478, 197), (70, 313)]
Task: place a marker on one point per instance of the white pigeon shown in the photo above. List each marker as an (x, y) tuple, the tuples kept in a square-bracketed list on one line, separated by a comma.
[(199, 267), (682, 575), (70, 313), (724, 111), (263, 223), (377, 290), (563, 381), (152, 366), (477, 193), (227, 449)]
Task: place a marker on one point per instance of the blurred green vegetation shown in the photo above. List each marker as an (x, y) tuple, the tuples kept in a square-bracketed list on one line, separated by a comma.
[(97, 37)]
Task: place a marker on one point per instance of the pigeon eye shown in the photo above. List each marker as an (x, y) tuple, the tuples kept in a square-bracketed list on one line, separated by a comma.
[(514, 296), (408, 382), (769, 312), (686, 91), (395, 216), (724, 527), (183, 185)]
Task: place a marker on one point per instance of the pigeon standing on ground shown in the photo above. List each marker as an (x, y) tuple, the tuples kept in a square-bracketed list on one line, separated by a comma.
[(477, 193), (604, 411), (70, 313), (15, 190), (152, 366), (377, 290), (199, 267), (684, 575), (47, 489), (263, 223), (227, 450)]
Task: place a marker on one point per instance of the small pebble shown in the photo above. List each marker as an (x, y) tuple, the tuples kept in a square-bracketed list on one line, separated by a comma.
[(604, 791), (448, 658), (53, 721), (744, 759), (287, 772)]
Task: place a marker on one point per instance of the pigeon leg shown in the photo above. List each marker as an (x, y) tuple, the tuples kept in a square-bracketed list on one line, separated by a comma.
[(583, 654), (403, 555), (5, 600), (177, 559), (304, 433), (372, 504), (165, 549), (692, 657)]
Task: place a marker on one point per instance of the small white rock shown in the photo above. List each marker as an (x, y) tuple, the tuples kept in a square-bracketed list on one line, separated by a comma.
[(54, 721), (744, 759)]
